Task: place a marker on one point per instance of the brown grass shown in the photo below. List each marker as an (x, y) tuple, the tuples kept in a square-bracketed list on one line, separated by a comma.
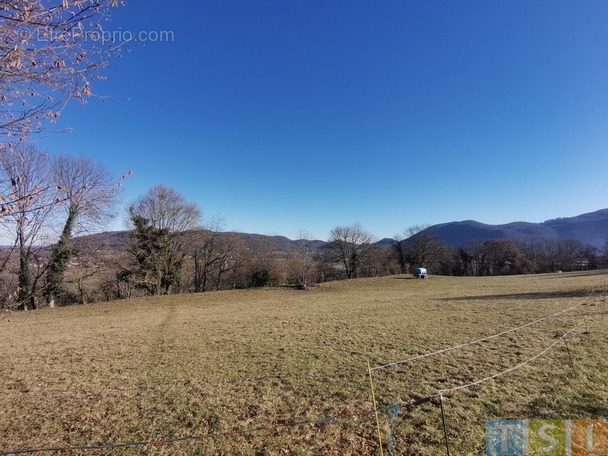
[(176, 366)]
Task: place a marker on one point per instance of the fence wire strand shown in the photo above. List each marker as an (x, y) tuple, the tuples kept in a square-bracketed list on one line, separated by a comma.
[(446, 392), (478, 341)]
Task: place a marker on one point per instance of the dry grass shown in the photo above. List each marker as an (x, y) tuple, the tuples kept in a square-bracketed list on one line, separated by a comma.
[(176, 366)]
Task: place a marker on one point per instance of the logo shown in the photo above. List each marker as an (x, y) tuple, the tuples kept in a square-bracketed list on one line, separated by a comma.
[(547, 438)]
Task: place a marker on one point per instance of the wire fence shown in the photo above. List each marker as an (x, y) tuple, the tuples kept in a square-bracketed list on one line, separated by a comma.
[(392, 411), (484, 339)]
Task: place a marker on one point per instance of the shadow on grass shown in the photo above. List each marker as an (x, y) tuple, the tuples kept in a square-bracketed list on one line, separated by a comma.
[(574, 406), (538, 295)]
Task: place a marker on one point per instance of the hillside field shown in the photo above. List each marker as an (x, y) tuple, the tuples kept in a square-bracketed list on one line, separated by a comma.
[(254, 372)]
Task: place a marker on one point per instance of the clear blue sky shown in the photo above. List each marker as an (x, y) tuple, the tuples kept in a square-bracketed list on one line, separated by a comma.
[(289, 114)]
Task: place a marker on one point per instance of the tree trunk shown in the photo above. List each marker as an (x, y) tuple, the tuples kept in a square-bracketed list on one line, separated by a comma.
[(25, 285), (60, 257)]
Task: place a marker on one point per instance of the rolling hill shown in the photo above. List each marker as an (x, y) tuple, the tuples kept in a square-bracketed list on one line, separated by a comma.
[(590, 228)]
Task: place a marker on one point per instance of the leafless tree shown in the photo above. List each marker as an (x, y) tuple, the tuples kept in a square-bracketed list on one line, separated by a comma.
[(351, 246), (205, 254), (161, 219), (263, 268), (419, 246), (233, 272), (214, 253), (39, 189), (31, 200), (92, 262), (381, 262), (50, 52), (501, 256), (303, 260), (166, 209), (88, 195), (570, 254), (533, 249)]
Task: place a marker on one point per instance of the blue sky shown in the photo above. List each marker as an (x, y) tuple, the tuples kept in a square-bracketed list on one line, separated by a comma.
[(290, 115)]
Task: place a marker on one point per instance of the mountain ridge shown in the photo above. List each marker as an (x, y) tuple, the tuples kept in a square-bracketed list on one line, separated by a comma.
[(589, 228)]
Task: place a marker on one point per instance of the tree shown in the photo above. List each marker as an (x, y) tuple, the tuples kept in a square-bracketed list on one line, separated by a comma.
[(381, 262), (28, 202), (93, 259), (603, 258), (263, 271), (303, 260), (161, 220), (532, 250), (206, 254), (164, 208), (570, 254), (466, 259), (39, 188), (50, 52), (501, 256), (418, 247), (89, 194), (214, 253), (351, 246), (155, 269)]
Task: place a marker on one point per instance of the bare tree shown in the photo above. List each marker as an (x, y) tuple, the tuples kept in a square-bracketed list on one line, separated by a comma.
[(31, 200), (419, 246), (93, 264), (161, 220), (205, 254), (501, 256), (88, 193), (214, 253), (533, 249), (351, 246), (303, 261), (233, 253), (165, 209), (50, 52), (381, 262)]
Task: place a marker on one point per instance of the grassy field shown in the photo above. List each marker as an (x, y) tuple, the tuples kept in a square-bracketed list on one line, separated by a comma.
[(190, 365)]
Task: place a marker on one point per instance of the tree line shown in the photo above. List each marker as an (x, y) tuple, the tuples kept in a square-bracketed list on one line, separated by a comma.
[(48, 204), (421, 246)]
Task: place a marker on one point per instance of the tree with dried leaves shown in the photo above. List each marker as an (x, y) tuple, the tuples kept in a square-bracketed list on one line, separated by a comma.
[(351, 246), (50, 52)]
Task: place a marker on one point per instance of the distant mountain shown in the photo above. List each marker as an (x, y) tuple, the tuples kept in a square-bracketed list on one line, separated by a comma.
[(261, 242), (591, 228), (118, 240)]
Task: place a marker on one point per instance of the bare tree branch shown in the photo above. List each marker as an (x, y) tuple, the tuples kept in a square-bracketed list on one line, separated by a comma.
[(50, 52)]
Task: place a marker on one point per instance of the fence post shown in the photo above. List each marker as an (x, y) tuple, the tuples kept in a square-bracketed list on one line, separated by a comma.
[(445, 429), (371, 384)]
